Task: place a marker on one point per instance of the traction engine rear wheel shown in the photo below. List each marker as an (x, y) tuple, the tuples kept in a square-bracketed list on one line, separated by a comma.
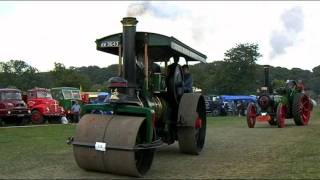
[(301, 109), (281, 115), (251, 115), (192, 123)]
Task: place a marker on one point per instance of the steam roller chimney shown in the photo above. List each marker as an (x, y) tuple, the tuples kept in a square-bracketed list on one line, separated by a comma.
[(128, 42)]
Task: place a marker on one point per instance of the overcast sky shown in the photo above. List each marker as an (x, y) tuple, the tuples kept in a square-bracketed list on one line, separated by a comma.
[(42, 33)]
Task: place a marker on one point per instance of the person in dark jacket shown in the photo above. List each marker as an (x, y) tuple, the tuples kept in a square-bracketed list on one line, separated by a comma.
[(187, 79)]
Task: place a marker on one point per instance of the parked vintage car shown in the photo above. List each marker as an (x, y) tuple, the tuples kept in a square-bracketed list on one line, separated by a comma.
[(43, 107), (66, 97), (13, 110), (214, 106)]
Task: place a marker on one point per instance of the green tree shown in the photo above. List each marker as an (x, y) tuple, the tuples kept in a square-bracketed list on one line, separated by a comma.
[(238, 74), (69, 77), (315, 80), (17, 73)]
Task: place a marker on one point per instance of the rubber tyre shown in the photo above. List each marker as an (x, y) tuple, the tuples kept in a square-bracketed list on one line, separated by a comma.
[(251, 115), (281, 115), (301, 109), (2, 123), (23, 122), (37, 117), (215, 112)]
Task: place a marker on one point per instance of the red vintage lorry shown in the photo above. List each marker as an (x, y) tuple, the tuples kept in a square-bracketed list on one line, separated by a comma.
[(13, 110), (43, 107)]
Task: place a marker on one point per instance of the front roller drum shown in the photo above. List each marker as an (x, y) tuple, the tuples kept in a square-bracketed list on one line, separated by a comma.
[(191, 123), (123, 132)]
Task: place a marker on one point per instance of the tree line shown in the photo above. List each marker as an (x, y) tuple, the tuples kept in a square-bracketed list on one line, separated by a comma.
[(237, 73)]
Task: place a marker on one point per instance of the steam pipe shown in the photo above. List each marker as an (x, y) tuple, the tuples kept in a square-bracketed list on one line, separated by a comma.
[(120, 62), (146, 60)]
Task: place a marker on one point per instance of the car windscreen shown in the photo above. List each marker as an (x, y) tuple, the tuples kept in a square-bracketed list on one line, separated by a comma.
[(71, 94), (76, 94), (67, 94), (10, 96), (44, 94)]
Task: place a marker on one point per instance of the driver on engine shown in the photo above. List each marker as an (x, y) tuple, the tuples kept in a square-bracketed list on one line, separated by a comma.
[(187, 79)]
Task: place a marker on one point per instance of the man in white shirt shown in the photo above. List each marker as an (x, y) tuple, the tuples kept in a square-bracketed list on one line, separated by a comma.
[(75, 110)]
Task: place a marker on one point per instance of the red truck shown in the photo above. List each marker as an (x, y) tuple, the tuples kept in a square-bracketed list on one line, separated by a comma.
[(13, 110), (43, 107)]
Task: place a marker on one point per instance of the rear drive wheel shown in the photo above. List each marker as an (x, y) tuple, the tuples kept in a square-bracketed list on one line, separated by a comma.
[(37, 117), (281, 115), (301, 109), (192, 123), (251, 115)]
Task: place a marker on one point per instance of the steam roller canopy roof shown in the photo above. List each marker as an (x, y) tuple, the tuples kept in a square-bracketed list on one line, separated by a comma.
[(160, 47)]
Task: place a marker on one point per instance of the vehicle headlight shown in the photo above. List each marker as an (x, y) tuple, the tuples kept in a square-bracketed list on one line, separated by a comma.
[(29, 111), (31, 103), (9, 112)]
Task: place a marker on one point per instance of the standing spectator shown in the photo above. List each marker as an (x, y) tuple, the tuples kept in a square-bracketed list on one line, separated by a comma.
[(75, 110)]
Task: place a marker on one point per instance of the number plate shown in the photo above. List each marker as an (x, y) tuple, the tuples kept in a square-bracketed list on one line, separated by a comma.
[(110, 44), (100, 146)]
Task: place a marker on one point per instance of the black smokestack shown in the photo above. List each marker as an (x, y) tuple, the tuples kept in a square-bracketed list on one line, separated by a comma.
[(266, 76), (128, 41)]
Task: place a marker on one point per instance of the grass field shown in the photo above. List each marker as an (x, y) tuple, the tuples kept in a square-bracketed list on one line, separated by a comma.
[(232, 150)]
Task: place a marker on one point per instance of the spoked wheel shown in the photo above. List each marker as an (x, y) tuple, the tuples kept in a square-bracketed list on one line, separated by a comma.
[(251, 115), (191, 123), (301, 109), (281, 115), (37, 117), (119, 135)]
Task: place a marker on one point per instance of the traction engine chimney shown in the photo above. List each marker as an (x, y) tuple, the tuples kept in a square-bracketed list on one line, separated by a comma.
[(128, 41)]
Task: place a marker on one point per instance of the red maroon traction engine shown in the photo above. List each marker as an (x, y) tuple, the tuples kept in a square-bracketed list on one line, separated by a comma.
[(284, 103)]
